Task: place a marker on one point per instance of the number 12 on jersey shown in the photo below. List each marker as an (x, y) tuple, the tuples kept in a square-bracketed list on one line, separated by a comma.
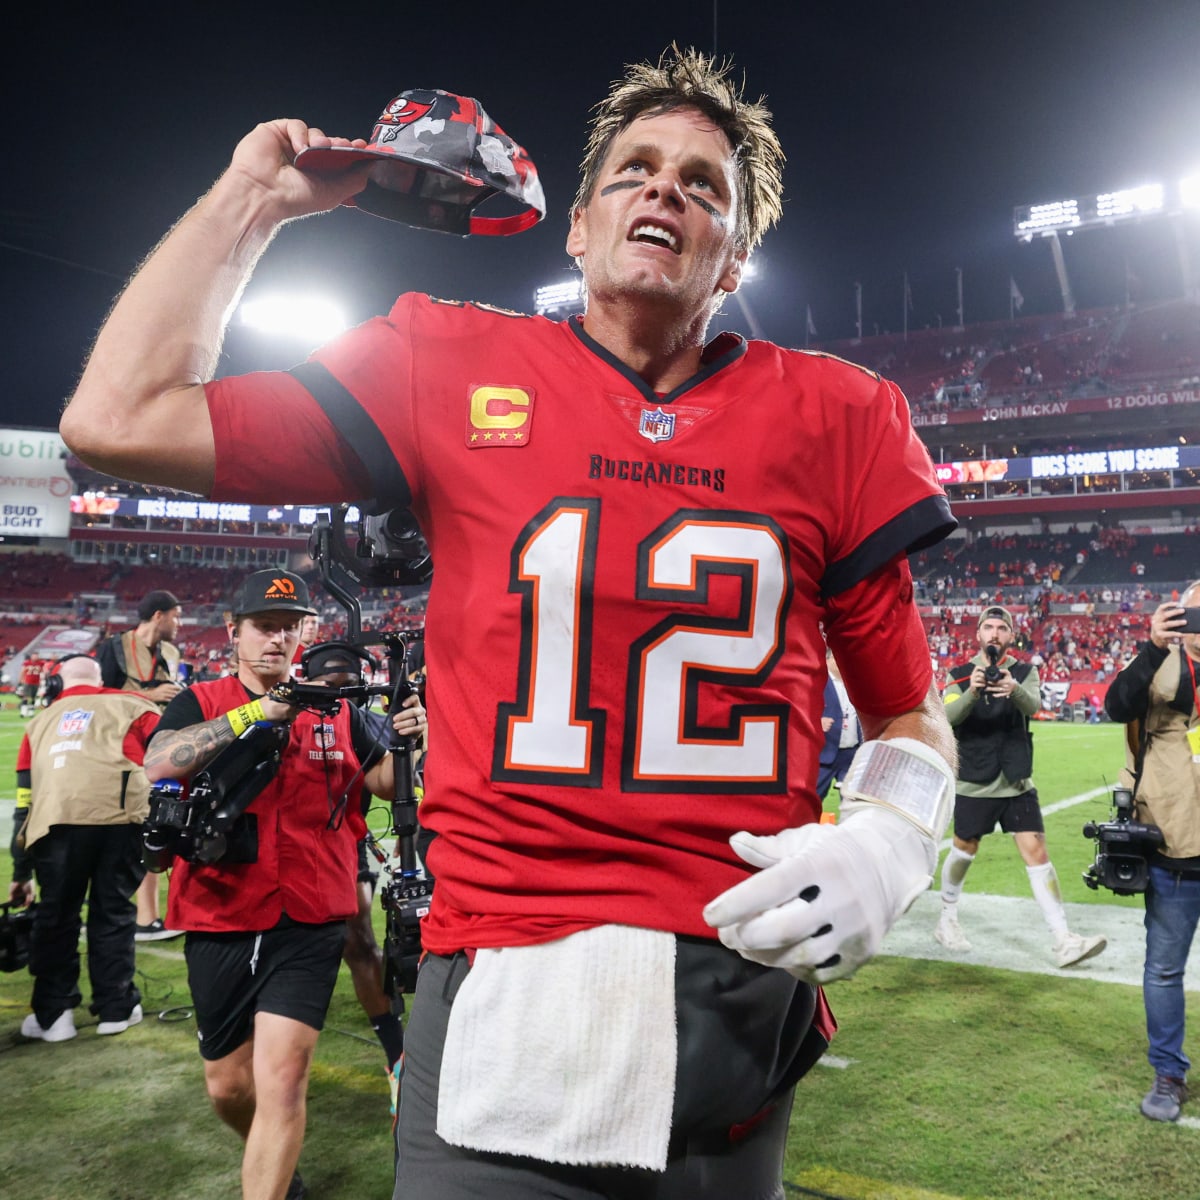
[(552, 734)]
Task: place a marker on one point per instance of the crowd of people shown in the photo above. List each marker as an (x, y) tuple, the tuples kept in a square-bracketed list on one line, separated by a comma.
[(626, 645)]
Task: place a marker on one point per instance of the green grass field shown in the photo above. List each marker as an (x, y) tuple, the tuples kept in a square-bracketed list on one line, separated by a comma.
[(945, 1080)]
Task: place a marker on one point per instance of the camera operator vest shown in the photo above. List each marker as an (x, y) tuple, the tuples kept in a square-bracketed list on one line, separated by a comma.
[(994, 737), (307, 863), (1167, 790)]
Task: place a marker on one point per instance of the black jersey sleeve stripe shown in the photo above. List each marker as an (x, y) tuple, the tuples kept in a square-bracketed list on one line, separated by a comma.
[(925, 523), (361, 434)]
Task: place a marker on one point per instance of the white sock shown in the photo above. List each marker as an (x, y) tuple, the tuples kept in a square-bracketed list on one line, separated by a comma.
[(954, 871), (1043, 880)]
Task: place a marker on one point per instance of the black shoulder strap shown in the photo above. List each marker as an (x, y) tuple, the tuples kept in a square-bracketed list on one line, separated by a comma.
[(962, 672)]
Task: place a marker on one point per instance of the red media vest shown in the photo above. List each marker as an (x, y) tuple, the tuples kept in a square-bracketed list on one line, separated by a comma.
[(304, 868)]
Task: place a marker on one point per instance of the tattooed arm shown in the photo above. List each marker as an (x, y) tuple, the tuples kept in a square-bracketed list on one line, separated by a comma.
[(178, 750)]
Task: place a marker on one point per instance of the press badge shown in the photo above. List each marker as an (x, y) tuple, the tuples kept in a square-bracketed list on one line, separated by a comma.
[(1193, 737)]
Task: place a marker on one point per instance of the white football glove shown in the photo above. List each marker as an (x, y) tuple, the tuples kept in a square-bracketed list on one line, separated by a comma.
[(826, 894)]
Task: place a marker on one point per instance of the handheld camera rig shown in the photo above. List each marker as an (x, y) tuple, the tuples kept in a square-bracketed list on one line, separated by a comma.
[(1123, 846), (389, 550)]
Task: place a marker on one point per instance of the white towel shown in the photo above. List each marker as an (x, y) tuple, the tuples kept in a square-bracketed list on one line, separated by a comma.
[(565, 1051)]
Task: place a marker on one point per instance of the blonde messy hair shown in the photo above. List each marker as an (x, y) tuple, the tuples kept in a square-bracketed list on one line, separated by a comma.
[(690, 79)]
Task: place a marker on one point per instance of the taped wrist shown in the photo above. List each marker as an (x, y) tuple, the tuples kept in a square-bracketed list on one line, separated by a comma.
[(241, 718), (906, 777)]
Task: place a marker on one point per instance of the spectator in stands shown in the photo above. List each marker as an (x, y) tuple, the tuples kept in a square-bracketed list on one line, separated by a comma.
[(989, 702), (79, 773), (144, 659), (1156, 697)]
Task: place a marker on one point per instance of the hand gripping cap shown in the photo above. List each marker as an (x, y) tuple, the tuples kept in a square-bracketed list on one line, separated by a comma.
[(438, 157)]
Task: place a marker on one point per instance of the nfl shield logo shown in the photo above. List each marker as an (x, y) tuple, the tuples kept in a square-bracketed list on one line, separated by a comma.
[(72, 723), (324, 736), (657, 426)]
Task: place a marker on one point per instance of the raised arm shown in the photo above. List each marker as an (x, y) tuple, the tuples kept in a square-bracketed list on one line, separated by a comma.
[(139, 411)]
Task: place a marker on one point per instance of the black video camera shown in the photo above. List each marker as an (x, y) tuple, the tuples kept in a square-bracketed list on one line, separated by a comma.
[(210, 823), (15, 928), (1122, 849), (406, 900), (992, 673)]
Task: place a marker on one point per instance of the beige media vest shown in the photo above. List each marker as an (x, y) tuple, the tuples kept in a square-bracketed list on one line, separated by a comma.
[(1168, 793), (79, 774)]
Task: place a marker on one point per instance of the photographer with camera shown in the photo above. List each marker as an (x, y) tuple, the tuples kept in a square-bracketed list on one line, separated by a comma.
[(146, 660), (1155, 696), (989, 702), (266, 922), (81, 784)]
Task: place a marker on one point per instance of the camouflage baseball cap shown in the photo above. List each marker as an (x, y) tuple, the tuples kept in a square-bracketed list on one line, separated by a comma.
[(439, 156), (996, 612)]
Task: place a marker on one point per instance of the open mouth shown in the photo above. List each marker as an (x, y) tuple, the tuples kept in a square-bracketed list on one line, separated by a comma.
[(655, 235)]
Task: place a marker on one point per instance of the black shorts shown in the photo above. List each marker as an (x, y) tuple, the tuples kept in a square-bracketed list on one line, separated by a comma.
[(289, 970), (744, 1035), (976, 816)]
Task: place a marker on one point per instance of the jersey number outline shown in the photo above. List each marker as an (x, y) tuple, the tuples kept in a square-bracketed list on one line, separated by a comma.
[(552, 734)]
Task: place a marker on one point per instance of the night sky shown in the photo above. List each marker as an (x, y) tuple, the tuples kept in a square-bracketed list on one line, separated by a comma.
[(911, 133)]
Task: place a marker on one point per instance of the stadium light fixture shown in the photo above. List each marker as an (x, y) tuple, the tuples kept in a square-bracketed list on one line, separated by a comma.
[(1189, 191), (309, 319), (564, 297), (1083, 212)]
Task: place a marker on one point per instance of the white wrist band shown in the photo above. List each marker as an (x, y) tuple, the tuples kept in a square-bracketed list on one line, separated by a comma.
[(906, 776)]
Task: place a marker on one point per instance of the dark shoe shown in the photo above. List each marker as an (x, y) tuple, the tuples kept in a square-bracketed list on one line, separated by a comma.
[(1163, 1100), (296, 1189), (156, 931)]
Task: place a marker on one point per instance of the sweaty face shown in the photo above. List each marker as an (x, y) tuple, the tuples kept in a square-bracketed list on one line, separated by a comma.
[(660, 222), (266, 643), (995, 633)]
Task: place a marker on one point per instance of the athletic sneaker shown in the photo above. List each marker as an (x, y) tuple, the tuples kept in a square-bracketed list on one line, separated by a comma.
[(107, 1027), (949, 932), (62, 1029), (1074, 948), (296, 1189), (1162, 1101), (156, 931)]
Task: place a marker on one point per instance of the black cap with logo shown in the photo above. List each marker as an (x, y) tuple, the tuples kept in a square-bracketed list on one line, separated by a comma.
[(272, 591)]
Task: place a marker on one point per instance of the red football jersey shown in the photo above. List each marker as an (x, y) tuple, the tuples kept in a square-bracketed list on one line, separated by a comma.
[(624, 627)]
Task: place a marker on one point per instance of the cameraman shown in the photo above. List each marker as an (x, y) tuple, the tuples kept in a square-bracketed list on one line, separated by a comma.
[(989, 702), (1155, 696), (265, 936)]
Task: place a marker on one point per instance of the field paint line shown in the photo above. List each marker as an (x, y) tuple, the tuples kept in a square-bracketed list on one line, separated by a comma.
[(835, 1061), (1047, 809), (1009, 932), (1190, 1122)]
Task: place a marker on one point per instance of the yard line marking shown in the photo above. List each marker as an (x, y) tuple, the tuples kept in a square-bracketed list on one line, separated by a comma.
[(836, 1062)]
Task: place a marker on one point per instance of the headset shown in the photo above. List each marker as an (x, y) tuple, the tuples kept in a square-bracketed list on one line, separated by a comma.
[(53, 687)]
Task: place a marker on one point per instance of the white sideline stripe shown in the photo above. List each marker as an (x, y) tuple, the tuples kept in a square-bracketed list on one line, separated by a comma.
[(1047, 809), (1190, 1122), (836, 1062)]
